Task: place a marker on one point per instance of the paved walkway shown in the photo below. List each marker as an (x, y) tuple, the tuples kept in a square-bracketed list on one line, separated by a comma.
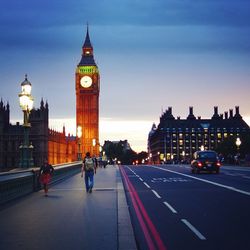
[(70, 218)]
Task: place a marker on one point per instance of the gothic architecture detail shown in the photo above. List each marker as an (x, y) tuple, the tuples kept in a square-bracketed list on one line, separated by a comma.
[(87, 86), (48, 144)]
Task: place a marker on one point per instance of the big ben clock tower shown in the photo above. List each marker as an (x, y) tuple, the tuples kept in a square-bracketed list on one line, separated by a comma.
[(87, 100)]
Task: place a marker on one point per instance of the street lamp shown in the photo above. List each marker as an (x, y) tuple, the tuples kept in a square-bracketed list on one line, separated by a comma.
[(183, 156), (79, 135), (238, 143), (237, 157), (26, 103)]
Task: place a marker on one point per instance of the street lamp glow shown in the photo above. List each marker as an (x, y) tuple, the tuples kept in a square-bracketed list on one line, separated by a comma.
[(202, 148), (238, 142), (79, 131)]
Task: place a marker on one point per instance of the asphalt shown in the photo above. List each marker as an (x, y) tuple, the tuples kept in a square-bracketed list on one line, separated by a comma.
[(71, 218)]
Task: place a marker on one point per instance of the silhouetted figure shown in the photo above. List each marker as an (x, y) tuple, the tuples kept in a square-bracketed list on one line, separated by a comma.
[(89, 167), (45, 176)]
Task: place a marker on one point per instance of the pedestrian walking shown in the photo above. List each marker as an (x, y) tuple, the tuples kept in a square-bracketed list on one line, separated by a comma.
[(45, 175), (89, 167)]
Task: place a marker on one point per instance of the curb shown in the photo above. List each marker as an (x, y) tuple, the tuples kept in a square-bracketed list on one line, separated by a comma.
[(126, 237)]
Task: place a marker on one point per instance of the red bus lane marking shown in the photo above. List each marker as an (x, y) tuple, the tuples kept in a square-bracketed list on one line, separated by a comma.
[(151, 227), (138, 214)]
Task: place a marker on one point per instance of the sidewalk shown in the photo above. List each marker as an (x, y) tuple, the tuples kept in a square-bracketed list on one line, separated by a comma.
[(69, 218), (106, 181)]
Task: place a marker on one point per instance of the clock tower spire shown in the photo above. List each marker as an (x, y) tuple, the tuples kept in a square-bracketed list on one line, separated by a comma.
[(87, 85)]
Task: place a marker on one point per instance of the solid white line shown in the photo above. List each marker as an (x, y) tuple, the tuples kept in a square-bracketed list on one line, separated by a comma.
[(156, 194), (140, 179), (210, 182), (146, 184), (193, 229), (170, 207)]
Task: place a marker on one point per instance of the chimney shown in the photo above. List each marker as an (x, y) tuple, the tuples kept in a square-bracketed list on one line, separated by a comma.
[(230, 113), (170, 110), (221, 116), (226, 115), (216, 110), (191, 110), (191, 115), (215, 115), (237, 110)]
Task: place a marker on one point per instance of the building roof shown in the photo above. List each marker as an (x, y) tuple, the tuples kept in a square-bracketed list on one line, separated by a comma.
[(87, 42), (233, 122), (87, 59)]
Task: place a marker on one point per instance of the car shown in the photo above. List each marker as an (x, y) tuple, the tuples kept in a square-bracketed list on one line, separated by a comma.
[(206, 160)]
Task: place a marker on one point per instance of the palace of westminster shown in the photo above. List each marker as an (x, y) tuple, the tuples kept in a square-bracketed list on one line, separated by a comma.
[(172, 138)]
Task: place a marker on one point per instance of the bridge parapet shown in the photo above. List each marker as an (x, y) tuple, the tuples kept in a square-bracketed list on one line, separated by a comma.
[(19, 183)]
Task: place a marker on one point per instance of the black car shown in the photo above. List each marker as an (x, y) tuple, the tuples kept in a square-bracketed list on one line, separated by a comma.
[(205, 161)]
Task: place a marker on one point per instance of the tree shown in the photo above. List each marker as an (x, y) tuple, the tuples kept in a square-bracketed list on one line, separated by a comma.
[(122, 152)]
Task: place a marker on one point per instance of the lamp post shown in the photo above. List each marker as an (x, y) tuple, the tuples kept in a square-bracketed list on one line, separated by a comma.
[(237, 157), (79, 136), (183, 156), (150, 158), (26, 103)]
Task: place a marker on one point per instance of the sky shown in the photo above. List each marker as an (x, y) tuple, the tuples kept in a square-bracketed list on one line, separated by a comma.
[(151, 55)]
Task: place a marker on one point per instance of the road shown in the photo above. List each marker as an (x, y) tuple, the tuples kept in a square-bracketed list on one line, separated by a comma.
[(174, 209)]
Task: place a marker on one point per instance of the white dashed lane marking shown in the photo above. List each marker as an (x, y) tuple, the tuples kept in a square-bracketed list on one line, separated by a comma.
[(186, 222), (193, 229), (170, 207), (156, 194)]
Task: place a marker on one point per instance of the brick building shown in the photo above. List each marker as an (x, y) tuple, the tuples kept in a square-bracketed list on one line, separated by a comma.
[(176, 139)]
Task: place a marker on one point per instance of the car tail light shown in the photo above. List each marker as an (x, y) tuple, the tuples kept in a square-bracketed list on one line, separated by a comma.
[(218, 164), (199, 164)]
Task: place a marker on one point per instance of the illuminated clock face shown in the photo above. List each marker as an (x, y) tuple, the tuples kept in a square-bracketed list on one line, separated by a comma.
[(86, 82)]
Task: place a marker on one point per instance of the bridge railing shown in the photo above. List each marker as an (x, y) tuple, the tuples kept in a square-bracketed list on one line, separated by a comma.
[(19, 183)]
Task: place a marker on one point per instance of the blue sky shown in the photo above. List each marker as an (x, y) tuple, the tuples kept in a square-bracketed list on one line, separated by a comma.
[(151, 55)]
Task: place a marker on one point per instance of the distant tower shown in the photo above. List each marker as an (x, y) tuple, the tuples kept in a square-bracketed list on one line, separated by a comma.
[(87, 84)]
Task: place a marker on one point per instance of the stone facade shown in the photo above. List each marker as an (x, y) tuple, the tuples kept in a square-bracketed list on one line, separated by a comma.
[(55, 146)]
